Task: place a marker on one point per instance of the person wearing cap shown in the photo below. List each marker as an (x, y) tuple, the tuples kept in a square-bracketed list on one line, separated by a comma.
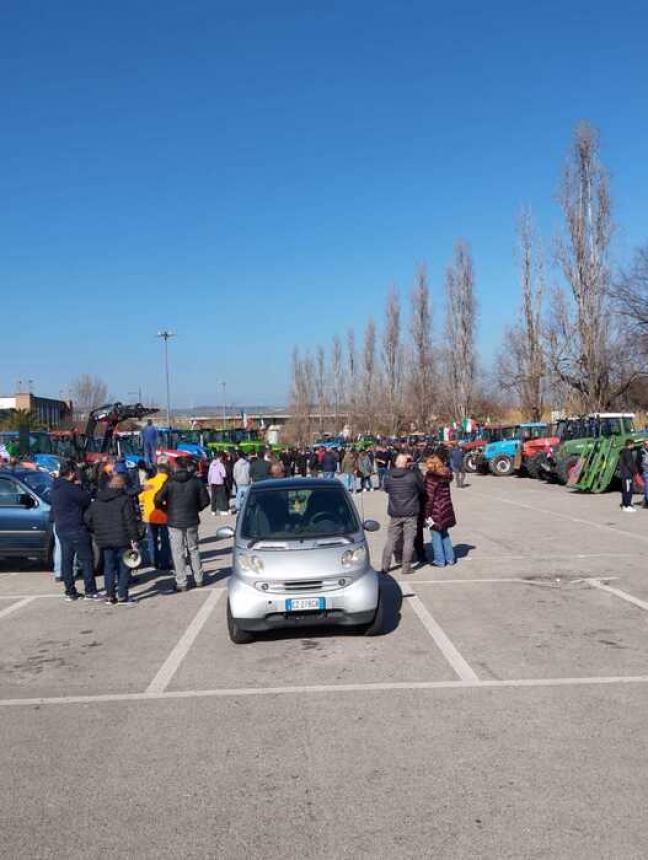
[(112, 520)]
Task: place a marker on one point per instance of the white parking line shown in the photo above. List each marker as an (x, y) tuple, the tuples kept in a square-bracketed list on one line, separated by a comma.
[(629, 598), (519, 579), (175, 658), (463, 670), (490, 580), (14, 607), (227, 693), (133, 593)]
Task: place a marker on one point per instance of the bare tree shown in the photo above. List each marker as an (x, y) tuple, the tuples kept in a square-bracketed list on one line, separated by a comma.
[(88, 392), (352, 371), (369, 381), (338, 379), (301, 396), (421, 358), (392, 357), (461, 323), (579, 337), (320, 384), (522, 363), (630, 295)]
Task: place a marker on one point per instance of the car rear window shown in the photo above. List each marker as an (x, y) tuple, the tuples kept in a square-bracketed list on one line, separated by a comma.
[(298, 513)]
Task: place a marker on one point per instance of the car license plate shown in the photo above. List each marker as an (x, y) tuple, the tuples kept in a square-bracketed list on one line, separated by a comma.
[(299, 604)]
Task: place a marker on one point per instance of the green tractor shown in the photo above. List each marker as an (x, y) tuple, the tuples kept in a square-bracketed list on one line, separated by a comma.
[(247, 441), (589, 460)]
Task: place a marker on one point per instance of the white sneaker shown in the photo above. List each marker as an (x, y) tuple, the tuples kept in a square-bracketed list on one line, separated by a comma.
[(224, 513), (213, 513), (630, 510)]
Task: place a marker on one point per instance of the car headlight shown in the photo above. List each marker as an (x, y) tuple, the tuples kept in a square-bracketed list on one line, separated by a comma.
[(354, 557), (251, 562)]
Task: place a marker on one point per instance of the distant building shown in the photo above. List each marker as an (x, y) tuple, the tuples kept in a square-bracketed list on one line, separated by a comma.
[(50, 412)]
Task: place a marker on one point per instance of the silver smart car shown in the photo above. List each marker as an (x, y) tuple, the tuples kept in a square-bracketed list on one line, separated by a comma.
[(300, 558)]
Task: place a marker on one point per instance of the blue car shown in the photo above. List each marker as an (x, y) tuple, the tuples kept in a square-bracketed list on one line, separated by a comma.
[(26, 529)]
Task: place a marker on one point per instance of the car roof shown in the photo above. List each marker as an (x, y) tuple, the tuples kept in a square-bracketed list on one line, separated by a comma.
[(19, 472), (296, 484)]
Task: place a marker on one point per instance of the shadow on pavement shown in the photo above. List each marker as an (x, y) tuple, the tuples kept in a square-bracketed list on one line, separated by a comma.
[(163, 583), (463, 550)]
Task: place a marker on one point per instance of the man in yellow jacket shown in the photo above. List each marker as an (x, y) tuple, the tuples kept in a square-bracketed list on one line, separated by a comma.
[(157, 533)]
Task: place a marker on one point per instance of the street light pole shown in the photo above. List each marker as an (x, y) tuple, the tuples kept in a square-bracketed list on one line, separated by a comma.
[(166, 336), (224, 384)]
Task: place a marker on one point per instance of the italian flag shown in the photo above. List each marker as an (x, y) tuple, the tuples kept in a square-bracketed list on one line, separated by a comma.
[(469, 425), (447, 434)]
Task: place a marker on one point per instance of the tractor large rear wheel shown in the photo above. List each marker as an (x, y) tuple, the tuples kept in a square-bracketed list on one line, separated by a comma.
[(501, 466), (564, 468), (533, 465), (470, 461)]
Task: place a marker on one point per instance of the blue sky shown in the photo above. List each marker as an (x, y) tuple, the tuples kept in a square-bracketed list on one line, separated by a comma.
[(256, 175)]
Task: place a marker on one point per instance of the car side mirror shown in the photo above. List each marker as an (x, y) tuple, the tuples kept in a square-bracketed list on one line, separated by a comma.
[(371, 525), (225, 532), (26, 501)]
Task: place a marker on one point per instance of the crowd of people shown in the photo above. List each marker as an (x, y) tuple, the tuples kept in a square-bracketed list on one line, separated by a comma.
[(152, 513)]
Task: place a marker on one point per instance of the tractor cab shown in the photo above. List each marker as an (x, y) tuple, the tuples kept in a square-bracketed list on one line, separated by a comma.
[(590, 462)]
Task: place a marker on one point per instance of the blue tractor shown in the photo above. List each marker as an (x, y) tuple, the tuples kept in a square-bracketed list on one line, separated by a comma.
[(499, 457)]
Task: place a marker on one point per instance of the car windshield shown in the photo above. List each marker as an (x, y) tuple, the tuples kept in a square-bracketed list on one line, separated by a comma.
[(40, 483), (298, 513)]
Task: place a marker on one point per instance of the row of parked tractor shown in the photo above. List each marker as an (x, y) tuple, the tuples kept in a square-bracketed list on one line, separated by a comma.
[(101, 437), (581, 452)]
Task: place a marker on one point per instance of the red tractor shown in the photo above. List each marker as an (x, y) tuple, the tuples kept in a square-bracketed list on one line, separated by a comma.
[(534, 452), (111, 414)]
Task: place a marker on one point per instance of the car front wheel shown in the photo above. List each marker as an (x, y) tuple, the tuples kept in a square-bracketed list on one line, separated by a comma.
[(236, 633)]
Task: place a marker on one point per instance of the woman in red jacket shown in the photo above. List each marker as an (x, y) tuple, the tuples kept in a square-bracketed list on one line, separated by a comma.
[(439, 513)]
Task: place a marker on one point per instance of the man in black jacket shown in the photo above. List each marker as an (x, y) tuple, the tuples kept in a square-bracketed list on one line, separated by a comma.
[(404, 486), (259, 468), (627, 471), (112, 520), (183, 497), (69, 502)]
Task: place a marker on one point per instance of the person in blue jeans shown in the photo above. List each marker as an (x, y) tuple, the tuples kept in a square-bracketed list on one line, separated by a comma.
[(70, 502), (439, 512), (113, 521)]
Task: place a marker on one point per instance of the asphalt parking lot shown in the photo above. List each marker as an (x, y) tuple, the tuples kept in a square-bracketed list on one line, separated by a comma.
[(502, 714)]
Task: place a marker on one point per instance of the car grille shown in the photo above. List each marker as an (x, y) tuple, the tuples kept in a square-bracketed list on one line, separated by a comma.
[(297, 586), (304, 585)]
